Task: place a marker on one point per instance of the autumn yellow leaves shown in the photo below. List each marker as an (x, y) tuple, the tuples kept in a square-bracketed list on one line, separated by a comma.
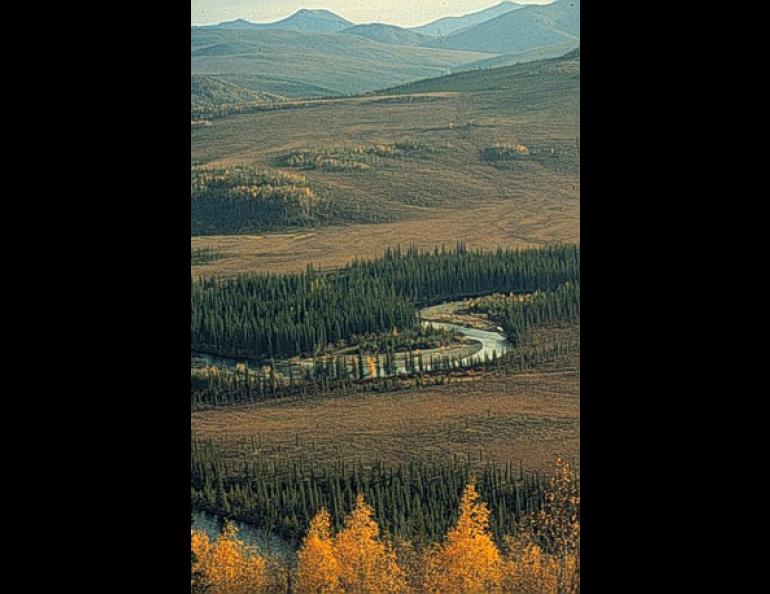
[(468, 561), (228, 565), (356, 560), (542, 559)]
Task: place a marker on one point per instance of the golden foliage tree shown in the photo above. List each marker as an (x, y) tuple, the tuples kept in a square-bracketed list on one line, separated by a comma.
[(317, 567), (367, 563), (230, 565), (527, 570), (545, 557), (468, 562), (371, 366), (556, 528)]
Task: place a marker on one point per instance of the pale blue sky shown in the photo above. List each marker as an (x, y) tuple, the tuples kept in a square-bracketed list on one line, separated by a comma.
[(406, 13)]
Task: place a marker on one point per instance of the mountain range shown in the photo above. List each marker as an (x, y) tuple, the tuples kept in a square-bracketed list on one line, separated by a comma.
[(388, 34), (318, 53), (296, 64), (309, 21), (448, 25), (529, 28)]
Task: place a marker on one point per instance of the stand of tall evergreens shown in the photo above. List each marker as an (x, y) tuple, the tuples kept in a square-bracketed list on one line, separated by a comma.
[(214, 387), (269, 315), (418, 501)]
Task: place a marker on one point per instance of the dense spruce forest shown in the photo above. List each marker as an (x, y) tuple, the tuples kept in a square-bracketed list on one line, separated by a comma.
[(269, 315), (418, 501)]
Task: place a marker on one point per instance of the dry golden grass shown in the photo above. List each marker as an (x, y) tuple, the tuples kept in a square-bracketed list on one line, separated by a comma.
[(451, 195), (533, 417), (488, 227)]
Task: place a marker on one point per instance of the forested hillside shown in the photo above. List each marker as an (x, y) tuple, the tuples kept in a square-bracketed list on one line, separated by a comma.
[(264, 316)]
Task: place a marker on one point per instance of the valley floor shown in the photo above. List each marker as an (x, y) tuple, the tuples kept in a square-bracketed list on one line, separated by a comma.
[(490, 225), (532, 417)]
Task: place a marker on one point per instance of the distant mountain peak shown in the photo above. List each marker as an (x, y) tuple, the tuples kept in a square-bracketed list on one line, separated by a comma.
[(318, 20), (450, 24), (306, 20), (316, 12), (523, 29)]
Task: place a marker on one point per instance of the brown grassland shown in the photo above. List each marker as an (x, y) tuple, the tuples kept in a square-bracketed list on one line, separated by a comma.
[(532, 417), (449, 195)]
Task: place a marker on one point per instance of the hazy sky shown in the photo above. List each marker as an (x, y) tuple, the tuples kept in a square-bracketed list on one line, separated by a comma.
[(407, 13)]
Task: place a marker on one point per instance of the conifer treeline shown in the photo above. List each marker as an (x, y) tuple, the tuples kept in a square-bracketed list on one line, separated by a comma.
[(362, 558), (518, 316), (213, 387), (263, 316), (418, 501)]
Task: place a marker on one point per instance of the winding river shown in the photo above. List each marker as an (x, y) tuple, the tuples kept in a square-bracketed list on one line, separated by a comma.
[(480, 343)]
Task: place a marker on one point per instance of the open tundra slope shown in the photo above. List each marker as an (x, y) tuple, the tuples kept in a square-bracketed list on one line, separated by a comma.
[(445, 192), (541, 53), (296, 64), (387, 34), (545, 80), (207, 91), (533, 27)]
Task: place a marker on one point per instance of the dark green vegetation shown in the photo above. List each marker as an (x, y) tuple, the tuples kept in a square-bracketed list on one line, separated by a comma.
[(356, 158), (261, 316), (518, 315), (533, 27), (418, 501), (387, 34), (557, 156), (296, 64), (505, 152), (448, 25), (241, 200)]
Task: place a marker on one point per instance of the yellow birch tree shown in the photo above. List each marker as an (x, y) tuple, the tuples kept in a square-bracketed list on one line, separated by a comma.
[(468, 562), (230, 565), (527, 570), (317, 568), (367, 564)]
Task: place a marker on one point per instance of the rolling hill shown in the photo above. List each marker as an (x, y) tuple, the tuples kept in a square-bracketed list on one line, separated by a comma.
[(550, 80), (448, 25), (387, 34), (408, 165), (541, 53), (208, 93), (532, 27), (310, 21), (205, 89), (297, 64)]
